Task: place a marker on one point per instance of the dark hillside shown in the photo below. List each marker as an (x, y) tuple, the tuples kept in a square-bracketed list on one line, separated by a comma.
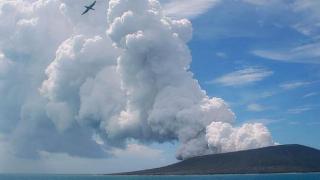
[(274, 159)]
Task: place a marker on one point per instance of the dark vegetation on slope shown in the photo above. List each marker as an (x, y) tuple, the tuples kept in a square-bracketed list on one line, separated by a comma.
[(274, 159)]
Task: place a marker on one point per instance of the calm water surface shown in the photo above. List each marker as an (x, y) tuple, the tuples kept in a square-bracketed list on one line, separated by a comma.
[(214, 177)]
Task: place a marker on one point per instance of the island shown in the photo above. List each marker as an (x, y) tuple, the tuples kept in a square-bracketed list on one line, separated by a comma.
[(274, 159)]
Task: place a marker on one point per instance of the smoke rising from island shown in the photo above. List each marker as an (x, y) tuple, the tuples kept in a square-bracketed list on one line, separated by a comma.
[(120, 74)]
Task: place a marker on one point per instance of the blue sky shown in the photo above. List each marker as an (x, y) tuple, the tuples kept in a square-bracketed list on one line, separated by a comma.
[(282, 93)]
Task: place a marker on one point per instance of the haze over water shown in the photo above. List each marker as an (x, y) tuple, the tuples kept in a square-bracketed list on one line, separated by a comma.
[(311, 176)]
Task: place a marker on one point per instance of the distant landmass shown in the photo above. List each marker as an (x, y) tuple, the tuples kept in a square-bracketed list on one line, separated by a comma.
[(274, 159)]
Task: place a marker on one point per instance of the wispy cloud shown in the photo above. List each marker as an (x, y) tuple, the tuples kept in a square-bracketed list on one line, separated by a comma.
[(243, 77), (294, 85), (264, 121), (222, 55), (309, 53), (259, 2), (310, 94), (299, 110), (309, 25), (188, 8), (256, 107), (313, 123), (294, 123)]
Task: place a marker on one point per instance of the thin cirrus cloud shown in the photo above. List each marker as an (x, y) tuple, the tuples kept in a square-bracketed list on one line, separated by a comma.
[(254, 107), (265, 121), (188, 8), (308, 26), (309, 53), (310, 95), (294, 85), (299, 110), (243, 77)]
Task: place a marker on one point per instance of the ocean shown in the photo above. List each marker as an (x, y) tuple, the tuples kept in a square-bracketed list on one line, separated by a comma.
[(312, 176)]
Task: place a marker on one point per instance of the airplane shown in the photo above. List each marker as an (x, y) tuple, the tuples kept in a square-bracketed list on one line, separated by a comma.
[(88, 8)]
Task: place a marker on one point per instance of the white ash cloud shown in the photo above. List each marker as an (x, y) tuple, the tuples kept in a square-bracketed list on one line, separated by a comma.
[(31, 32), (100, 81), (164, 102), (224, 138)]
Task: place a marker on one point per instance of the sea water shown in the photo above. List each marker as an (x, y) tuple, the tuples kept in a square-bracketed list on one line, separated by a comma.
[(312, 176)]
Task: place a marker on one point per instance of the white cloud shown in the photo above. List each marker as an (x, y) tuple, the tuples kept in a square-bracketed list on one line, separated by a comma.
[(314, 124), (33, 35), (299, 110), (224, 138), (305, 19), (264, 121), (134, 157), (294, 85), (310, 21), (188, 8), (259, 2), (138, 150), (309, 53), (164, 102), (76, 86), (304, 14), (221, 55), (310, 94), (243, 77), (256, 107)]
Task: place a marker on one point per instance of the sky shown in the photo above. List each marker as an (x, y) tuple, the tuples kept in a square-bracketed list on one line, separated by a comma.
[(80, 94), (264, 61)]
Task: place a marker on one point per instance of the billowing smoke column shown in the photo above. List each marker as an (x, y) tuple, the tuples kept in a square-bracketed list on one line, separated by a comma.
[(78, 86), (222, 137), (164, 102)]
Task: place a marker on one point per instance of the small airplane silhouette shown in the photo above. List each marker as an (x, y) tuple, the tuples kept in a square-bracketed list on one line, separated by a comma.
[(88, 8)]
